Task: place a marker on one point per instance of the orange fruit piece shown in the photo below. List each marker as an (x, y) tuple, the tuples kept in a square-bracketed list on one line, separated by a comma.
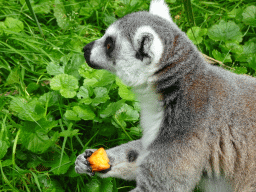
[(99, 160)]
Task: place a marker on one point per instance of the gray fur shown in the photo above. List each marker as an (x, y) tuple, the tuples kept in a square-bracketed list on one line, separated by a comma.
[(207, 123)]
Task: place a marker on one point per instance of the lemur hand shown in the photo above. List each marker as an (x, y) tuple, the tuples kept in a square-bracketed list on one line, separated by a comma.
[(82, 165)]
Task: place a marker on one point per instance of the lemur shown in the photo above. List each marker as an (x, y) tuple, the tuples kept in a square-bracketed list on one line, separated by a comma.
[(198, 120)]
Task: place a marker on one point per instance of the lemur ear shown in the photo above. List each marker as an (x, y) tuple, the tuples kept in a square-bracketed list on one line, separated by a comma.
[(160, 8), (144, 42)]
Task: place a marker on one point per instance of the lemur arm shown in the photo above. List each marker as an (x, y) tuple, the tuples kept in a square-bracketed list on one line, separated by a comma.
[(122, 160), (171, 166)]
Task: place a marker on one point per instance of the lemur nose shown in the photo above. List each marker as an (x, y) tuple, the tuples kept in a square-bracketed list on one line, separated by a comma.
[(87, 51), (88, 47)]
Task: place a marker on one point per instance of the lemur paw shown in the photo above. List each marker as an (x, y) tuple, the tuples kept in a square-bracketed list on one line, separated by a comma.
[(82, 165)]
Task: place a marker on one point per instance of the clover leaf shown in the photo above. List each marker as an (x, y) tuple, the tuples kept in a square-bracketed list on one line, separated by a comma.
[(84, 112), (101, 95), (223, 57), (58, 168), (249, 16), (54, 68), (195, 34), (124, 92), (99, 185), (71, 115), (60, 15), (34, 136), (84, 95), (225, 31), (125, 113), (66, 84), (27, 110), (14, 25)]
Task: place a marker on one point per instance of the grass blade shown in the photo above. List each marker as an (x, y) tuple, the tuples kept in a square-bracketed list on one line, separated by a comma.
[(34, 16), (189, 12)]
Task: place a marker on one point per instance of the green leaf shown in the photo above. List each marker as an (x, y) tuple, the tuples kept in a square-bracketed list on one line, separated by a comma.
[(6, 163), (71, 115), (125, 113), (30, 111), (195, 34), (35, 139), (223, 57), (64, 166), (84, 112), (250, 47), (85, 71), (43, 125), (240, 70), (249, 50), (249, 16), (61, 15), (50, 184), (54, 69), (124, 92), (13, 77), (225, 31), (93, 185), (18, 104), (234, 47), (66, 84), (14, 25), (101, 95), (111, 109), (91, 82), (32, 87), (99, 185), (71, 68), (252, 62), (83, 94), (50, 98), (4, 145), (104, 77), (136, 131)]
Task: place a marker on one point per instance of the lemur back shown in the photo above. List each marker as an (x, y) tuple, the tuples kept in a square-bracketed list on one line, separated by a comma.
[(198, 120)]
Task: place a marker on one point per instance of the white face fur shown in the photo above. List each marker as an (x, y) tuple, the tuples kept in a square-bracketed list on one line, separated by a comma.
[(126, 66), (133, 71), (122, 60)]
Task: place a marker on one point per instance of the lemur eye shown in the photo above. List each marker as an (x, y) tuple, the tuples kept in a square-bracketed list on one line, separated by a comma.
[(109, 44)]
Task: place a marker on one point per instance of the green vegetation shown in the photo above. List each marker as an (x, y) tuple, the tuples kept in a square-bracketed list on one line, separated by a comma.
[(53, 106)]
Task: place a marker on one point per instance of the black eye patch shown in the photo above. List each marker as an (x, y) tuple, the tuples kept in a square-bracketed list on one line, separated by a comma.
[(109, 45), (140, 54), (132, 155)]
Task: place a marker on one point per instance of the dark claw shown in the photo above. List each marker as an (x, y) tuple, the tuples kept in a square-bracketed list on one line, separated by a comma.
[(89, 169), (87, 154), (86, 163)]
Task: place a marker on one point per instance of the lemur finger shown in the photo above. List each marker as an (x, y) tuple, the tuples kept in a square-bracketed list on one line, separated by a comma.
[(87, 153), (82, 165)]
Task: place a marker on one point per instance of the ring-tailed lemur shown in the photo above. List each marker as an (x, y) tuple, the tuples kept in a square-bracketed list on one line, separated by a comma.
[(197, 119)]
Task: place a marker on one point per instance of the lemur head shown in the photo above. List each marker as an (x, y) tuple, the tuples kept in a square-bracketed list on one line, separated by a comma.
[(133, 46)]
